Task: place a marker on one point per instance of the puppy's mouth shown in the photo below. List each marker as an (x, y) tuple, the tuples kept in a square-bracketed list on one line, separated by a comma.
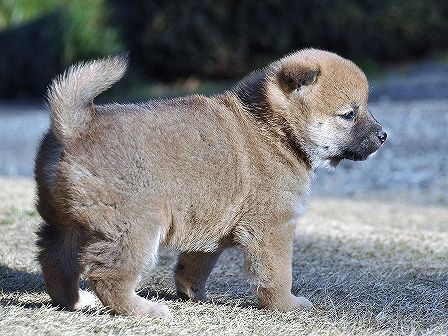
[(348, 155)]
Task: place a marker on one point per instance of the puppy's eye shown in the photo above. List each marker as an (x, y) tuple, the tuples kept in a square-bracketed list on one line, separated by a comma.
[(349, 115)]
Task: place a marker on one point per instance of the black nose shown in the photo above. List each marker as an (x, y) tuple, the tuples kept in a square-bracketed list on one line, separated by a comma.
[(382, 136)]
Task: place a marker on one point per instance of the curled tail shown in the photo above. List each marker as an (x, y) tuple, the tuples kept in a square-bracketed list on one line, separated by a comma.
[(70, 96)]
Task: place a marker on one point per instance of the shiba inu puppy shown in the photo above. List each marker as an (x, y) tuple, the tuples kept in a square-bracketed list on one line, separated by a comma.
[(198, 174)]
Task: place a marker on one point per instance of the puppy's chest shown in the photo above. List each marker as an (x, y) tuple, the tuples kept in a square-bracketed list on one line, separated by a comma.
[(296, 198)]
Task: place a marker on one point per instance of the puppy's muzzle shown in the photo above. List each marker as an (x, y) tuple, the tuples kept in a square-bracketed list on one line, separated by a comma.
[(363, 145)]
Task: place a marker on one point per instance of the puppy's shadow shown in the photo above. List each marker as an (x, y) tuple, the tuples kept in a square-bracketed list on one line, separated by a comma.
[(22, 282), (12, 280), (327, 271), (150, 294), (340, 276), (16, 281), (215, 298)]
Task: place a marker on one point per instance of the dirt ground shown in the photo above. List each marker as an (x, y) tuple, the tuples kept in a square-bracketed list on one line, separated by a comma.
[(371, 267)]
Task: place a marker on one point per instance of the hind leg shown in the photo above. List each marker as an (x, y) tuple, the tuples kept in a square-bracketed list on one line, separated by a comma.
[(115, 261), (192, 272), (58, 257)]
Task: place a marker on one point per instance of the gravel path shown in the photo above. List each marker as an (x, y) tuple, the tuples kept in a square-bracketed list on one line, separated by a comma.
[(413, 161), (20, 130), (424, 81)]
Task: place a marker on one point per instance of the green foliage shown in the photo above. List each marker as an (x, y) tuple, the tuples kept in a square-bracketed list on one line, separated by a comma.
[(14, 12), (85, 29), (86, 32), (41, 37)]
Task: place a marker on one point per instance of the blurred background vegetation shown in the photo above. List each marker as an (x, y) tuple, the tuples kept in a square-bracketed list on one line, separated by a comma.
[(201, 45)]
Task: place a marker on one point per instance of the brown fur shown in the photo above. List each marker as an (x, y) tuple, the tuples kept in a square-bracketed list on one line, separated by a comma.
[(198, 174)]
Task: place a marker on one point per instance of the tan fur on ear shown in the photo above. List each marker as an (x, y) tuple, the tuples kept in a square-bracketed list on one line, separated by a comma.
[(293, 76)]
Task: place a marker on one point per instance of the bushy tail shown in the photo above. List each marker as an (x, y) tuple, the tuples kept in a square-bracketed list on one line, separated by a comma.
[(70, 96)]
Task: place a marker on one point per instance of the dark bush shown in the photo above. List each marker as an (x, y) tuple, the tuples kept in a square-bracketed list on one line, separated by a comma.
[(30, 54), (224, 38)]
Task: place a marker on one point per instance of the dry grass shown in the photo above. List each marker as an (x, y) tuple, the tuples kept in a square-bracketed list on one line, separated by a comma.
[(371, 268)]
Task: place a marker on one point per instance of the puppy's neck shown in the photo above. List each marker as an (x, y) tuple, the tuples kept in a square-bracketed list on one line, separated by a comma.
[(252, 94)]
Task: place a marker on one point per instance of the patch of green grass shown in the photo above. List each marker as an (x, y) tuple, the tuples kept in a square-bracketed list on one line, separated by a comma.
[(8, 216), (32, 213), (12, 214), (5, 221)]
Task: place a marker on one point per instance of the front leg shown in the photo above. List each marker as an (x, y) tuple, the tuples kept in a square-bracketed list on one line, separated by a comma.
[(268, 257)]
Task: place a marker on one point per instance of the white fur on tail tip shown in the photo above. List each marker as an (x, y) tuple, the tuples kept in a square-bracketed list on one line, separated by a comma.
[(86, 299)]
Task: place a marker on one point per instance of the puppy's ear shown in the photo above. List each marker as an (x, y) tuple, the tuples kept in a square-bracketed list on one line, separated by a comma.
[(295, 77)]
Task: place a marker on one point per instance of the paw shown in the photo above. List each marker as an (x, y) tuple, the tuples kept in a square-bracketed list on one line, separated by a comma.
[(86, 299), (285, 304), (301, 302), (158, 310), (153, 309)]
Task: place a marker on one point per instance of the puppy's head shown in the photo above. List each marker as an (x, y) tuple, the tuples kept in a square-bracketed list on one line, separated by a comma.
[(323, 97)]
